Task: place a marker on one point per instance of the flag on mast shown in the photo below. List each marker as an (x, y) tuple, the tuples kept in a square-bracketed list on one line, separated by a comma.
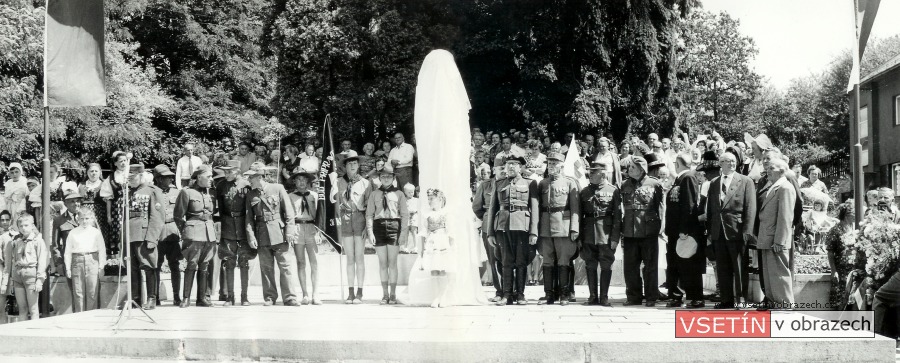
[(74, 54), (863, 17), (326, 186), (573, 167)]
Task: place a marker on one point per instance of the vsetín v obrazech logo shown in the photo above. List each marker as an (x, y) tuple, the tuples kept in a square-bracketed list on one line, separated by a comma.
[(774, 324)]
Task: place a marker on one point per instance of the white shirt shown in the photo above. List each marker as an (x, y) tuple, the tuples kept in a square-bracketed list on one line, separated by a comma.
[(185, 168), (309, 164), (403, 153), (85, 239)]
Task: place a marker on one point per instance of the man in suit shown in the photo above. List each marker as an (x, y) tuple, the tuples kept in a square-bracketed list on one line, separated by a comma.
[(481, 205), (643, 202), (681, 221), (193, 214), (270, 229), (513, 225), (731, 213), (145, 224), (557, 227), (776, 234)]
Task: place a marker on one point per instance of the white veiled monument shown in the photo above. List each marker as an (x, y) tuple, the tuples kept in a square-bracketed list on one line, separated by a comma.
[(444, 140)]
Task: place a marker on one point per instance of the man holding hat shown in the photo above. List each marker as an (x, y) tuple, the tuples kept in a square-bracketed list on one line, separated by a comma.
[(642, 200), (234, 250), (170, 240), (557, 227), (683, 231), (270, 229), (194, 211), (601, 227), (144, 227), (305, 213), (513, 224)]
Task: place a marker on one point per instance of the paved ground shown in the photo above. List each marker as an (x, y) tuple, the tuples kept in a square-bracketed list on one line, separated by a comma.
[(370, 332)]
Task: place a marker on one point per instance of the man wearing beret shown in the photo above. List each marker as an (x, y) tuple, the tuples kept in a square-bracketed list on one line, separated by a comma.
[(145, 224), (557, 227), (270, 229), (514, 226), (642, 200), (194, 211)]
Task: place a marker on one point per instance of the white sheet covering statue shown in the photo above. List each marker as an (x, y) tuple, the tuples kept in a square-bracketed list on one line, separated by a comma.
[(443, 133)]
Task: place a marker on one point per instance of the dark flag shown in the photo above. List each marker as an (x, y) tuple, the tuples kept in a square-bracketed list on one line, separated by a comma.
[(74, 56), (327, 189)]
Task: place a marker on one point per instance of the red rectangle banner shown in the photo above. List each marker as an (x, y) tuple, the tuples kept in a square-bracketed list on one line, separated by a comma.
[(722, 324)]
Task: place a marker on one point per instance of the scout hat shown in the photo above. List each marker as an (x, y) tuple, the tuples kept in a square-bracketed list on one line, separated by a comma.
[(232, 164), (349, 159), (162, 170), (309, 176), (554, 156), (710, 161), (218, 173), (255, 169), (203, 169), (385, 171), (641, 162)]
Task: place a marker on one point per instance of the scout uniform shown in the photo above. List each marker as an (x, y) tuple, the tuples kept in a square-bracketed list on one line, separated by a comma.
[(557, 224), (481, 205), (194, 210), (305, 213), (145, 224), (387, 219), (234, 251), (270, 220), (601, 212), (170, 240), (643, 205), (352, 198), (513, 212)]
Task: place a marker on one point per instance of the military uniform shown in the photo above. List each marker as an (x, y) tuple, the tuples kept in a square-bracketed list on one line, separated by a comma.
[(62, 225), (170, 241), (513, 219), (145, 224), (194, 211), (234, 251), (601, 211), (481, 206), (270, 219), (643, 205), (558, 221)]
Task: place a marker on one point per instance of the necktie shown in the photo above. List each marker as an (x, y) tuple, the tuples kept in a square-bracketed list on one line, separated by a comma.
[(304, 205), (724, 184), (384, 199), (190, 165)]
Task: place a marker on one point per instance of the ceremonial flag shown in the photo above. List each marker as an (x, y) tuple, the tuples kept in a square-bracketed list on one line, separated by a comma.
[(863, 17), (573, 167), (327, 189), (74, 54)]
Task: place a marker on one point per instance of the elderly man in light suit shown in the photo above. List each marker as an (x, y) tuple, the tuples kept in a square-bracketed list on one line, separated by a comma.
[(776, 216)]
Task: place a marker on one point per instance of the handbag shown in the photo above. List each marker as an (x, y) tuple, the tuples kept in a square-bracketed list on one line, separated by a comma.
[(686, 247)]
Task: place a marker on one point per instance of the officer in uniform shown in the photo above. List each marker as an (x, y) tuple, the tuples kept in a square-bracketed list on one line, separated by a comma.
[(557, 227), (270, 229), (513, 226), (601, 214), (194, 210), (170, 240), (145, 224), (642, 199), (481, 205), (234, 251), (62, 225)]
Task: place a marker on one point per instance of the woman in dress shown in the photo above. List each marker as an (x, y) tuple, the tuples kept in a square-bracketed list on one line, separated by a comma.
[(90, 191), (367, 159), (813, 181), (625, 150), (290, 162), (535, 162), (112, 193), (436, 246)]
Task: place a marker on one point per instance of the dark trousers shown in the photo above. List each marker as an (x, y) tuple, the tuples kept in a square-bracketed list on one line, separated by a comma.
[(493, 259), (143, 259), (171, 252), (637, 251), (887, 300), (514, 251), (731, 271), (680, 275)]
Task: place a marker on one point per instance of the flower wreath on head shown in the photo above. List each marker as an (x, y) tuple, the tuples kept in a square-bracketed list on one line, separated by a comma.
[(437, 193)]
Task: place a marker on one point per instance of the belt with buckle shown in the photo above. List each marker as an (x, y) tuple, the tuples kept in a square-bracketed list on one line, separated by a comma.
[(554, 209), (304, 221), (514, 208), (268, 218)]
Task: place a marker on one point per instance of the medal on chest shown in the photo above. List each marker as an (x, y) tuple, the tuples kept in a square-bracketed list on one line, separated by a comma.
[(673, 194)]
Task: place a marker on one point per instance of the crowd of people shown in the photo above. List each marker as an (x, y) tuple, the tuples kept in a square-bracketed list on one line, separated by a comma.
[(737, 203)]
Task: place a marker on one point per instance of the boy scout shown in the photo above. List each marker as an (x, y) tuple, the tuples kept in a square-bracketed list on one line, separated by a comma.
[(601, 212), (170, 241), (305, 210), (514, 226), (194, 215), (558, 226), (145, 224), (270, 229), (231, 196), (642, 200)]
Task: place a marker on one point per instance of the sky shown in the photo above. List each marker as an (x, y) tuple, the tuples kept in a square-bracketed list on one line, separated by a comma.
[(796, 38)]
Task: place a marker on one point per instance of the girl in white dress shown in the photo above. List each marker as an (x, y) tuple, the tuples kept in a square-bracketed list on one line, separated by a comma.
[(436, 246)]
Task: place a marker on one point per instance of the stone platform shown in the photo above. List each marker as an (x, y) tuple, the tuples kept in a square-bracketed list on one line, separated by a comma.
[(371, 332)]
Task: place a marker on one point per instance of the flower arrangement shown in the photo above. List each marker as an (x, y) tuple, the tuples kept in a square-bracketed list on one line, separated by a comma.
[(875, 248), (811, 264)]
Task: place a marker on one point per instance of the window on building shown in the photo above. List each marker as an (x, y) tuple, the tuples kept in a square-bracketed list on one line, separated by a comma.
[(895, 178), (897, 110), (863, 132)]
